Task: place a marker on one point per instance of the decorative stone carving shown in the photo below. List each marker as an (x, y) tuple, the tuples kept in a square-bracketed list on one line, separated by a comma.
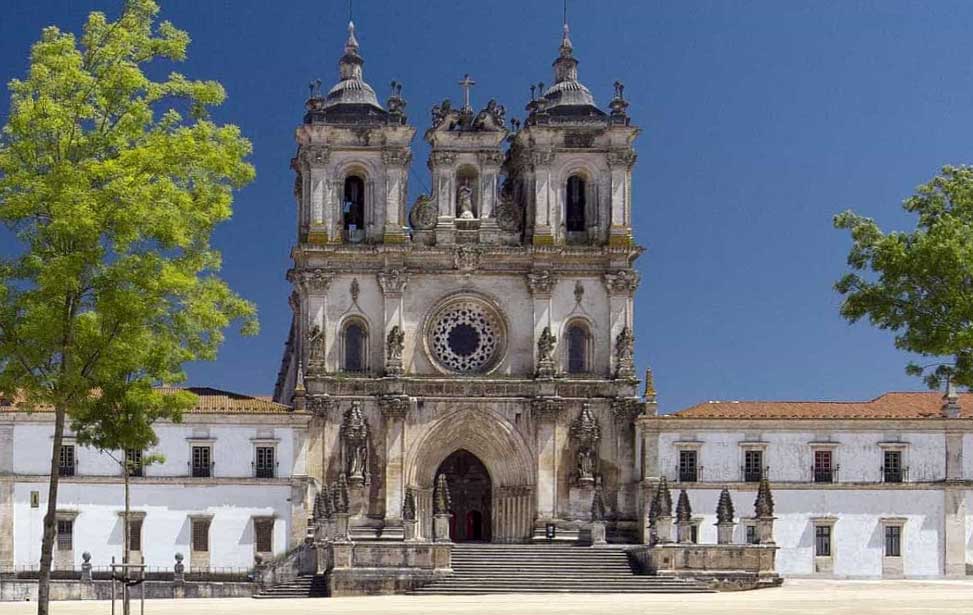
[(442, 158), (490, 158), (621, 158), (624, 351), (341, 498), (578, 292), (179, 570), (618, 104), (622, 282), (320, 405), (649, 395), (541, 282), (396, 157), (466, 336), (763, 506), (354, 434), (466, 258), (396, 104), (394, 407), (424, 214), (394, 345), (464, 202), (598, 504), (545, 354), (392, 281), (314, 155), (309, 281), (509, 214), (442, 503), (491, 117), (684, 517), (586, 433), (354, 289), (724, 508), (546, 408), (625, 409), (409, 505), (542, 157), (441, 112), (315, 349), (663, 499)]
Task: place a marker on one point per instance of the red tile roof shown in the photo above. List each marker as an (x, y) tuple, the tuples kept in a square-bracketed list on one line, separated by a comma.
[(896, 405), (208, 401)]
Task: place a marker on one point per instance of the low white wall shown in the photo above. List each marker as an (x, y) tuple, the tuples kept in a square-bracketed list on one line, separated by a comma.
[(166, 527)]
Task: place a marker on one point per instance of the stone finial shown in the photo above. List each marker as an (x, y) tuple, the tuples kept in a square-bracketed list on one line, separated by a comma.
[(318, 510), (441, 502), (663, 499), (409, 505), (684, 511), (327, 502), (341, 496), (724, 508), (598, 505), (649, 394), (179, 568), (763, 506), (951, 401)]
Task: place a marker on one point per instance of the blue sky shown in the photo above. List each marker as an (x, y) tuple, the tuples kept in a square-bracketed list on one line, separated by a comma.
[(760, 121)]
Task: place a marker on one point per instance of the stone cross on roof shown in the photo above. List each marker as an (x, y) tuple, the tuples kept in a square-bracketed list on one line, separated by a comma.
[(467, 84)]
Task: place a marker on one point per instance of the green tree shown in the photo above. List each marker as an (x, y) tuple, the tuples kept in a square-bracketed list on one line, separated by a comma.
[(112, 183), (919, 284)]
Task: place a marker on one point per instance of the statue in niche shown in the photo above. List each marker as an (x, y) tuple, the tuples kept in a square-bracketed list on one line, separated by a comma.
[(586, 434), (465, 200), (315, 346), (624, 350), (395, 343), (354, 432)]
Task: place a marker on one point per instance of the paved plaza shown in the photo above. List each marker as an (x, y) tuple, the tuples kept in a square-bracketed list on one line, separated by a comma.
[(796, 596)]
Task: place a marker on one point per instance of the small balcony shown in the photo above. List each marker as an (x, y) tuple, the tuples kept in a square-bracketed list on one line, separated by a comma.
[(894, 474), (754, 475), (264, 470), (822, 474), (691, 474), (201, 470), (66, 469)]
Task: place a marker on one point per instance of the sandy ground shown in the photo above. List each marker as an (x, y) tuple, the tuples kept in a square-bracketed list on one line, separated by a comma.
[(796, 596)]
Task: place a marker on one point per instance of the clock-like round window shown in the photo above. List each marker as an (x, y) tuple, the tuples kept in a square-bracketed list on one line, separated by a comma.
[(466, 336)]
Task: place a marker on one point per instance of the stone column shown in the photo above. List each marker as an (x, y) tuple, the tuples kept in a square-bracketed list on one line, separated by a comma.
[(443, 177), (317, 193), (620, 162), (625, 412), (313, 285), (545, 413), (954, 508), (396, 174), (621, 287), (489, 189), (541, 285), (394, 410), (545, 197)]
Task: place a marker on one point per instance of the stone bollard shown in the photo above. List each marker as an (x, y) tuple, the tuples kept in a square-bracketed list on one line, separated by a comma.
[(179, 570), (765, 530), (724, 533), (684, 533), (86, 567), (663, 529), (598, 533), (411, 530), (341, 527), (440, 526)]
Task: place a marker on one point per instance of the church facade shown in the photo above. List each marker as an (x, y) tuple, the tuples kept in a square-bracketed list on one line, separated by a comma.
[(487, 335)]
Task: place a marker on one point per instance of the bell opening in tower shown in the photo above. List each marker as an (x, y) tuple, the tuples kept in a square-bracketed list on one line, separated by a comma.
[(354, 209)]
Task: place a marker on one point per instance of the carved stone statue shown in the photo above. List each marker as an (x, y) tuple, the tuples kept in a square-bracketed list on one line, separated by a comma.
[(624, 351), (423, 214), (545, 353), (354, 433), (509, 215), (586, 434), (315, 347), (465, 202), (394, 345)]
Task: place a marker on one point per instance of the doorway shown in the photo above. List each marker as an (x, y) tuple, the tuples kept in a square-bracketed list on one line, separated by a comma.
[(471, 494)]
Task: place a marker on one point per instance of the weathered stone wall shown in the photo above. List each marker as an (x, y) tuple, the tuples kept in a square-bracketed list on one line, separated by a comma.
[(23, 590)]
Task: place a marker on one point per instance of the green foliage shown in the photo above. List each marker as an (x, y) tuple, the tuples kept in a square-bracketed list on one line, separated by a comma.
[(919, 284)]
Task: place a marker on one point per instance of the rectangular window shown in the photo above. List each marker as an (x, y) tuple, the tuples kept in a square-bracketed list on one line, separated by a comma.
[(892, 469), (893, 541), (202, 462), (752, 535), (66, 466), (134, 534), (753, 466), (823, 470), (694, 533), (201, 535), (688, 470), (65, 534), (822, 540), (133, 459), (264, 531), (265, 462)]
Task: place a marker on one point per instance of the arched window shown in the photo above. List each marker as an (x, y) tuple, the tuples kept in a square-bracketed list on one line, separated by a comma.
[(354, 345), (577, 337), (575, 221), (353, 208)]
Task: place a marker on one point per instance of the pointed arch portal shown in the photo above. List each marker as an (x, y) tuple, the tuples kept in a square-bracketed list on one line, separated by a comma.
[(471, 493)]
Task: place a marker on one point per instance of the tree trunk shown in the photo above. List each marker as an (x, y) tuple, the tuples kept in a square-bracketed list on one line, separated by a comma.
[(125, 543), (50, 518)]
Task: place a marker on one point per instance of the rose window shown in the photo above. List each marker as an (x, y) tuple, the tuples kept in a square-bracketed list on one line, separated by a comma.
[(466, 336)]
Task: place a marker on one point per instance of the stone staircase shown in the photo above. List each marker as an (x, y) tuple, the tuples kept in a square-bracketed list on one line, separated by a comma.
[(495, 569), (305, 586)]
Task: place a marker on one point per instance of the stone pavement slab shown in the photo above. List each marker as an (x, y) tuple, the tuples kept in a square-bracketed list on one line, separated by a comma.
[(795, 597)]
